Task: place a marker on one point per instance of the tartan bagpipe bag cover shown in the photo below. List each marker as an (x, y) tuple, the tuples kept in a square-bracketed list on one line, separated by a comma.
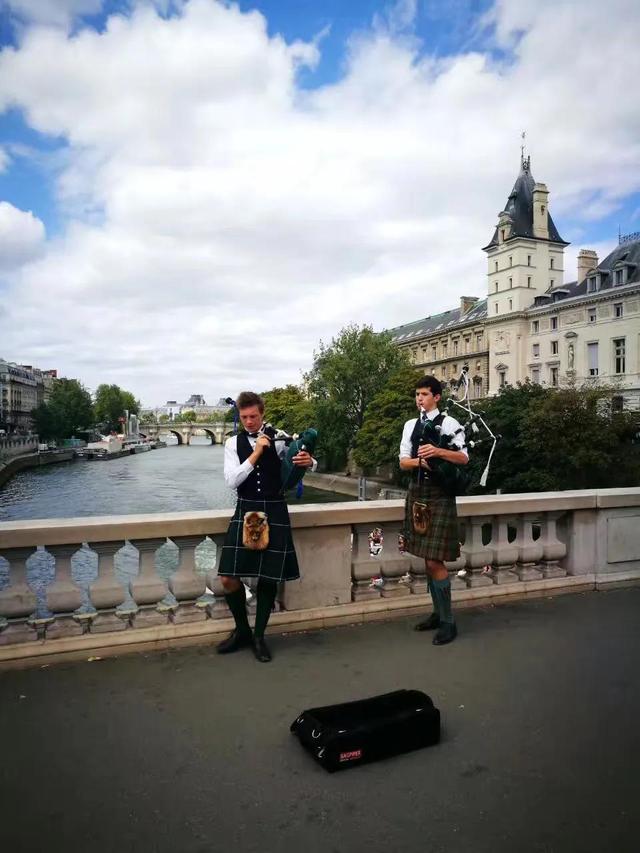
[(340, 736)]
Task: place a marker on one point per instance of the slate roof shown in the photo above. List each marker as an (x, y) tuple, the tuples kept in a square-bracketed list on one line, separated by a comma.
[(520, 207), (443, 322), (626, 254)]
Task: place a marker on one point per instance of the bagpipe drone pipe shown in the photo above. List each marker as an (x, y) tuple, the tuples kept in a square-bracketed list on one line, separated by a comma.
[(292, 474)]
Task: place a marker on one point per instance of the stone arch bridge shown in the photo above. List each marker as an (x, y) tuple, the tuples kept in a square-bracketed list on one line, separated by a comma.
[(217, 431)]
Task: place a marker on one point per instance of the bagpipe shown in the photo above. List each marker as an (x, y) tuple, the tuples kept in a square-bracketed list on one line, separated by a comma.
[(455, 479), (291, 475)]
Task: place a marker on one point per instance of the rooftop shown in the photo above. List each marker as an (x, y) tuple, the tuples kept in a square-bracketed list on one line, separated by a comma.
[(439, 322), (188, 751)]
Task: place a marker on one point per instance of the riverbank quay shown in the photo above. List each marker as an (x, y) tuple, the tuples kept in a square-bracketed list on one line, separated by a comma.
[(514, 547), (32, 460), (190, 751)]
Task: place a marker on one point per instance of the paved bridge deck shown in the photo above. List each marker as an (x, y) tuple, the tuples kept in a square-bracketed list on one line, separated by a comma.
[(190, 751)]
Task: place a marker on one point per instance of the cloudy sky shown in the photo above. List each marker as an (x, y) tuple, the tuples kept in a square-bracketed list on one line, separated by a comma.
[(194, 193)]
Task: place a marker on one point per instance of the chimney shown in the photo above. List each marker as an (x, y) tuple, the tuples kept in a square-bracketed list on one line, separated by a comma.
[(587, 261), (541, 211), (466, 303)]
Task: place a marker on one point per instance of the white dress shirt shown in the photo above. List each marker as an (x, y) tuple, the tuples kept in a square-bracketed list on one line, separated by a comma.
[(448, 427), (235, 472)]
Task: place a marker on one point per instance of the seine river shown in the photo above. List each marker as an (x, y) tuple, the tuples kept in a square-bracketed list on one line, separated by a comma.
[(171, 479)]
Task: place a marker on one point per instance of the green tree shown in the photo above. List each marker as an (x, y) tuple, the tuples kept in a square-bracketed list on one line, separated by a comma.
[(378, 441), (111, 402), (68, 411), (189, 417), (164, 419), (288, 409), (344, 378)]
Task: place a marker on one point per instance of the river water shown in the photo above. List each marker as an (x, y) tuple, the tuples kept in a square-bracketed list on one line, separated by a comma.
[(171, 479)]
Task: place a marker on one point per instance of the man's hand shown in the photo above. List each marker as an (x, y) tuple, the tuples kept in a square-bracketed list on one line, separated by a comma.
[(262, 442), (428, 451), (303, 459)]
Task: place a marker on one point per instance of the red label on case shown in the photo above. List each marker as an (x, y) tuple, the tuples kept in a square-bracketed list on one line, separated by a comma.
[(351, 756)]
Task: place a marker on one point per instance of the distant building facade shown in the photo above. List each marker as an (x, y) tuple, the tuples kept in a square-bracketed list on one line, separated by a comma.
[(533, 325), (22, 389), (196, 403)]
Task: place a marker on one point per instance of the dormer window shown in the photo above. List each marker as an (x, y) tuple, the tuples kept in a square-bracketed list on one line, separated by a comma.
[(592, 284), (619, 276)]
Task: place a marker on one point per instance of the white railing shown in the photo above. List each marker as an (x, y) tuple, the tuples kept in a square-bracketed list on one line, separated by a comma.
[(79, 584)]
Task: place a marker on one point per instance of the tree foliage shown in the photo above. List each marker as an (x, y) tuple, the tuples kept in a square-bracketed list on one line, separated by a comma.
[(344, 378), (557, 439), (111, 402), (288, 408), (68, 411), (378, 440)]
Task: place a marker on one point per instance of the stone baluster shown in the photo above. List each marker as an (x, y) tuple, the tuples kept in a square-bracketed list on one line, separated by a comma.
[(105, 592), (477, 555), (363, 565), (186, 584), (553, 550), (18, 600), (457, 565), (529, 550), (218, 608), (148, 589), (63, 595), (505, 553)]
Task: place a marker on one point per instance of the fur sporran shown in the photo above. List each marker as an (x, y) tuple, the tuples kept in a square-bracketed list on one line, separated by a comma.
[(255, 531), (421, 518)]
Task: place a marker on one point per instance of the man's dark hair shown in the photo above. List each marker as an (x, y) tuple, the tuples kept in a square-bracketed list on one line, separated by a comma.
[(431, 383), (249, 398)]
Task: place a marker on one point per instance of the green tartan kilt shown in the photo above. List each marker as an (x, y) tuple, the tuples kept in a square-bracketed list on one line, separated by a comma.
[(442, 538), (278, 562)]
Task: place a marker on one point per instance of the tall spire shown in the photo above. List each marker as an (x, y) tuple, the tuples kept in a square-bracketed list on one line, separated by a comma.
[(525, 162)]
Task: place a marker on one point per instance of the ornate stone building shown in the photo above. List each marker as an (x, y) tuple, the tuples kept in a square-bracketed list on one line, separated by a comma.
[(532, 324), (22, 388)]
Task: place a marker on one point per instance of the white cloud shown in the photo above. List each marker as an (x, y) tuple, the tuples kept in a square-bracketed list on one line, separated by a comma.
[(21, 237), (223, 220)]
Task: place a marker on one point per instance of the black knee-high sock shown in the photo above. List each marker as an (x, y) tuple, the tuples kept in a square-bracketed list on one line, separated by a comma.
[(434, 598), (265, 596), (441, 592), (237, 602)]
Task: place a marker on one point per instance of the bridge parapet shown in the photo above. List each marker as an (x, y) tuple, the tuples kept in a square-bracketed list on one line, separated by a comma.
[(153, 579), (184, 432)]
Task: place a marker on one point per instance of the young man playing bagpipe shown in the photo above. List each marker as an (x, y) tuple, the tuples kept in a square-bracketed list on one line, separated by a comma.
[(258, 543), (431, 445)]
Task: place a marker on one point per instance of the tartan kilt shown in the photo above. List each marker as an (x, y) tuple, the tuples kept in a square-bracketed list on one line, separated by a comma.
[(278, 562), (442, 539)]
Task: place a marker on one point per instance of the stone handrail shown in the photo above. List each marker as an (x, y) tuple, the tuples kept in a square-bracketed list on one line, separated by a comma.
[(512, 545)]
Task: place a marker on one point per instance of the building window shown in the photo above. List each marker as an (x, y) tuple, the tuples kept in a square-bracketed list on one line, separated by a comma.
[(535, 375), (496, 268), (510, 282), (454, 369), (617, 404), (510, 260), (510, 304), (617, 309), (592, 358), (592, 284), (592, 315), (554, 323), (467, 343), (528, 260), (551, 264), (495, 308), (536, 350), (542, 209), (535, 327), (554, 347), (502, 232), (619, 276), (528, 281), (554, 377), (552, 282), (445, 346), (434, 353), (455, 347), (496, 286), (502, 375), (619, 355)]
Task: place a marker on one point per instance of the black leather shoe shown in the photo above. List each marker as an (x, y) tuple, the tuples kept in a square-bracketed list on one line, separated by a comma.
[(429, 624), (446, 634), (236, 640), (261, 650)]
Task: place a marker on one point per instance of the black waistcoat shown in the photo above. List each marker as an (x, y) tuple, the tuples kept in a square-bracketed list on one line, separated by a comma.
[(265, 481)]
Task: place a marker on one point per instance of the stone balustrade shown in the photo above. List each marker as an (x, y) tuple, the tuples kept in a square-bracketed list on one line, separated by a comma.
[(17, 445), (69, 587)]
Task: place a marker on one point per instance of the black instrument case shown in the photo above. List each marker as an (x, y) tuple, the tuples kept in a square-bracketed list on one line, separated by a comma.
[(340, 736)]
